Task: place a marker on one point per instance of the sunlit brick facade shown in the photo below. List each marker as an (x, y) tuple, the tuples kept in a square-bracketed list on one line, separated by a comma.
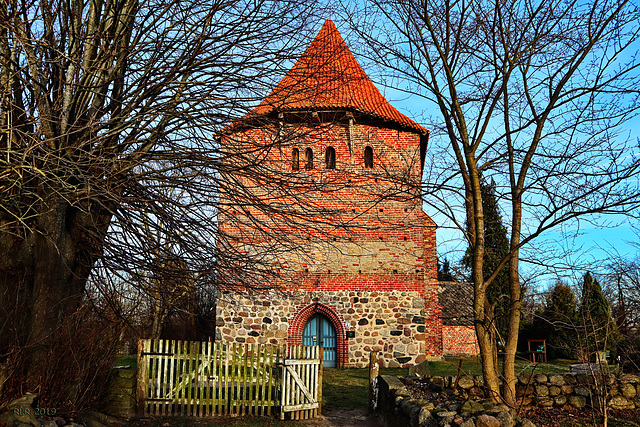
[(365, 261)]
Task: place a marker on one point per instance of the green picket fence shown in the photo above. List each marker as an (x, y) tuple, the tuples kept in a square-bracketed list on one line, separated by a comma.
[(207, 379)]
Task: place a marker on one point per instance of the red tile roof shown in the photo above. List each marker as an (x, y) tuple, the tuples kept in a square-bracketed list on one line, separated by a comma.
[(327, 76)]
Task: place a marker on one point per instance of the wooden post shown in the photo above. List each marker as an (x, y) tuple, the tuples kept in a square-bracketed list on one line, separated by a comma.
[(141, 379), (320, 356), (374, 370)]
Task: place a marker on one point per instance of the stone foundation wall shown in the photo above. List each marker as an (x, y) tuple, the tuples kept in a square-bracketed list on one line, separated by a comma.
[(459, 341), (391, 323)]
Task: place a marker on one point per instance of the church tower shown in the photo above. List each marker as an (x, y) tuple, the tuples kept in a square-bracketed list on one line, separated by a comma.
[(359, 274)]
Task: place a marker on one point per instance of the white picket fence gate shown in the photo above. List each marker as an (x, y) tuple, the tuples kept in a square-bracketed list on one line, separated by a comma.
[(204, 379)]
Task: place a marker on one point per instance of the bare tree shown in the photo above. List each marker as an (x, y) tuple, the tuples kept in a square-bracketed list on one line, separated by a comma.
[(622, 287), (529, 94), (109, 111)]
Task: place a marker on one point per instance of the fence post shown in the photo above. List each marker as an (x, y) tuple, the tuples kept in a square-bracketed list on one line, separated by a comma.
[(141, 380), (321, 357), (374, 369)]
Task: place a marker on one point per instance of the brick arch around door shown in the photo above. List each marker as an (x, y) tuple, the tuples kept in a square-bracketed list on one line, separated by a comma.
[(304, 314)]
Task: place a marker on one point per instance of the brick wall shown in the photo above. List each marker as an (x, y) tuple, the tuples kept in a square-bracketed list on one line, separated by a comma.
[(335, 233), (459, 341)]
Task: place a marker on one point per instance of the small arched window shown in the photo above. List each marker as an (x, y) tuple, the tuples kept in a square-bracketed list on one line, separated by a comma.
[(368, 157), (308, 159), (330, 158), (295, 159)]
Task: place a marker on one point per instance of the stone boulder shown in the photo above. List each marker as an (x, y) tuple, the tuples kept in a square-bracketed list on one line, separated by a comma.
[(466, 382), (472, 407), (556, 380), (541, 378), (620, 402), (582, 391), (560, 400), (446, 417), (525, 379), (542, 390), (485, 420), (506, 419), (426, 419), (566, 389), (545, 401), (421, 369), (577, 401), (628, 390)]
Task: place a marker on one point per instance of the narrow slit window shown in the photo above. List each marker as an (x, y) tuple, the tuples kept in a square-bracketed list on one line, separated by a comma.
[(295, 159), (308, 159), (330, 158), (368, 157)]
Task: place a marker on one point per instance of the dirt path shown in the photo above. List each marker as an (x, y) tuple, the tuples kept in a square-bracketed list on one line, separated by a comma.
[(344, 418)]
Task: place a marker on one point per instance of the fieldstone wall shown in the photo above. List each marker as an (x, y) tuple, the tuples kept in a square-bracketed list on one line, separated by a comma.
[(579, 390), (391, 323), (467, 406), (398, 408)]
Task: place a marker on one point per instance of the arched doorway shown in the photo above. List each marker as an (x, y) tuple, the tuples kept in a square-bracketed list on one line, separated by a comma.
[(319, 331)]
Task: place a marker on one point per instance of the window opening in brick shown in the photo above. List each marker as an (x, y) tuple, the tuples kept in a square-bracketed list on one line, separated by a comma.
[(295, 159), (330, 158), (308, 159), (368, 157)]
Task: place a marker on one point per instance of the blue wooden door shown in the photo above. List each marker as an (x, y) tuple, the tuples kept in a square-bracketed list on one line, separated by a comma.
[(319, 331)]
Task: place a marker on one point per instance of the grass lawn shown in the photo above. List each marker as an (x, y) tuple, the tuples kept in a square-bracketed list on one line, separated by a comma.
[(472, 366), (349, 388)]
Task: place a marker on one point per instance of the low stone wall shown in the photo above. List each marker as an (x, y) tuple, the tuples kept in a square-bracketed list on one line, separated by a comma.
[(120, 396), (579, 390), (398, 408), (467, 406)]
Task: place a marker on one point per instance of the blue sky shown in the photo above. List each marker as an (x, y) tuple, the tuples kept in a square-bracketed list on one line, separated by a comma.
[(570, 250)]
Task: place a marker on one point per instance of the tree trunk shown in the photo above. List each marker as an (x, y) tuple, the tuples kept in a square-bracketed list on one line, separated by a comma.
[(486, 342), (58, 252), (485, 322)]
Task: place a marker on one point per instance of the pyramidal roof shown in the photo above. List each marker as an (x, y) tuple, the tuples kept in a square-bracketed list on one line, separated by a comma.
[(327, 76)]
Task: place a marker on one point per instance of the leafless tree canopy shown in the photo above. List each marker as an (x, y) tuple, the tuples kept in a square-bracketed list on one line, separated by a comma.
[(110, 159), (531, 94)]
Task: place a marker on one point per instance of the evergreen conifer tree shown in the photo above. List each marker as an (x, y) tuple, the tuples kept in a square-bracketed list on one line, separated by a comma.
[(444, 272), (600, 332), (560, 311)]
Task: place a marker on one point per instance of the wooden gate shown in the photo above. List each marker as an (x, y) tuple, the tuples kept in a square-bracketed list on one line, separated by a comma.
[(301, 384), (207, 379)]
